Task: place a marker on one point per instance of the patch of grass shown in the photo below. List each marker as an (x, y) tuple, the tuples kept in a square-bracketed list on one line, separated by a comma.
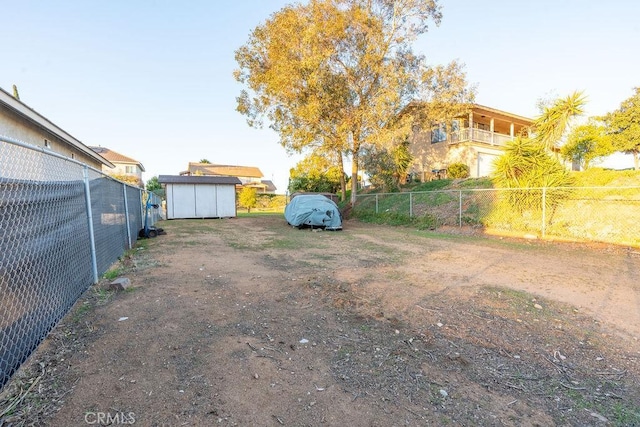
[(102, 295), (79, 312), (113, 273), (260, 213)]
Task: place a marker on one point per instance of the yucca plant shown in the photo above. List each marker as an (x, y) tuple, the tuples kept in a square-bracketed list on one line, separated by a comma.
[(525, 168)]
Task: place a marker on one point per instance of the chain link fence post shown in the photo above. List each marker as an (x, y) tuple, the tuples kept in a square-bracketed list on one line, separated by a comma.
[(411, 204), (126, 215), (92, 238), (544, 212)]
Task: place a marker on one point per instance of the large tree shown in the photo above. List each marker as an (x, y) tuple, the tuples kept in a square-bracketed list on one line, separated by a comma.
[(587, 142), (315, 173), (624, 127), (333, 73)]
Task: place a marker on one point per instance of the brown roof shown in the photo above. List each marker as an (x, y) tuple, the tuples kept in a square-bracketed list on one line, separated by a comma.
[(224, 170), (115, 157), (270, 185), (195, 179)]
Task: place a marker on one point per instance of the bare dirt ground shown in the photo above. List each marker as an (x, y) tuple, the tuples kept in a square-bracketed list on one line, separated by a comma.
[(249, 322)]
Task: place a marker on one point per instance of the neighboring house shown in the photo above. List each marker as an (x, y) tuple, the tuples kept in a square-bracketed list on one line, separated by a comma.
[(123, 165), (475, 139), (22, 123), (249, 176)]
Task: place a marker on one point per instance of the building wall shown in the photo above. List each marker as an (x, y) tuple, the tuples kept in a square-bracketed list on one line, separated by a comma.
[(121, 169), (429, 156), (17, 127)]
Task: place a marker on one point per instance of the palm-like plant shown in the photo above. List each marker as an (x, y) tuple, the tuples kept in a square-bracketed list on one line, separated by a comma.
[(554, 120), (526, 165)]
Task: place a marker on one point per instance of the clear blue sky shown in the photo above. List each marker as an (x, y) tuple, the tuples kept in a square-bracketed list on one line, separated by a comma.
[(153, 79)]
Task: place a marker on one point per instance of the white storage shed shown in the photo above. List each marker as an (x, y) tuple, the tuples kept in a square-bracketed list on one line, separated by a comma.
[(200, 196)]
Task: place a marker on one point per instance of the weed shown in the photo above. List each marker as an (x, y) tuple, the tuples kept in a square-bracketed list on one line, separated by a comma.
[(113, 273)]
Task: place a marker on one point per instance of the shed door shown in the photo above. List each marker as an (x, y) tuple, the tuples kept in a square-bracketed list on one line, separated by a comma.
[(183, 200), (485, 164), (226, 200), (206, 201)]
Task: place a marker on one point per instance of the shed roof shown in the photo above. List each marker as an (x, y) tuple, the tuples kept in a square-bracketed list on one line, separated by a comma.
[(198, 179)]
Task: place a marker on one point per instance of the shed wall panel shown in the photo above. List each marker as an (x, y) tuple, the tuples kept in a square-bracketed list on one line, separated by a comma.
[(226, 200), (184, 201), (206, 201)]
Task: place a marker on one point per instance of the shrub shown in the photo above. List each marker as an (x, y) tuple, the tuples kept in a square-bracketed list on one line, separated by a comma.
[(458, 171)]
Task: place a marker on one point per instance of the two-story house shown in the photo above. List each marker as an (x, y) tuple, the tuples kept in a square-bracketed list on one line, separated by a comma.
[(249, 176), (123, 166), (476, 139), (19, 122)]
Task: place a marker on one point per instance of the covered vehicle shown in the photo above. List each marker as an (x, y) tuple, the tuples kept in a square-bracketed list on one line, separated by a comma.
[(315, 211)]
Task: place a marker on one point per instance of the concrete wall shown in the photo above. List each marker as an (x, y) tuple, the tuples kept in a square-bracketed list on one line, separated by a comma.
[(17, 127)]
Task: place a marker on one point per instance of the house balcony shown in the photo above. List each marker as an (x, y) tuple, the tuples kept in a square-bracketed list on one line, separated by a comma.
[(479, 135)]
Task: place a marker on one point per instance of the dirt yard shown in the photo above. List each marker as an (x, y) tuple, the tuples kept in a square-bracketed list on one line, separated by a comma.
[(249, 322)]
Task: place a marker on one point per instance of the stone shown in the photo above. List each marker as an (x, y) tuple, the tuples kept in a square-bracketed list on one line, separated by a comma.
[(120, 284)]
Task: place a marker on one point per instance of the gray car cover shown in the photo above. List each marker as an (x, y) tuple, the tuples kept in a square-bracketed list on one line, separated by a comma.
[(313, 211)]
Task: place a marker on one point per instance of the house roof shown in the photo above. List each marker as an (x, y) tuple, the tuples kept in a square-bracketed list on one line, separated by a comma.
[(31, 115), (224, 170), (198, 179), (489, 111), (270, 186), (115, 157), (494, 112)]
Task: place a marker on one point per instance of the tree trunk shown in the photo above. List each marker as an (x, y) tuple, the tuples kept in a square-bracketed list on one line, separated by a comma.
[(354, 178), (343, 181)]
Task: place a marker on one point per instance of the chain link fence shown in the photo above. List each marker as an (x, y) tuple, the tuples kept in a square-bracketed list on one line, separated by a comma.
[(595, 214), (62, 224)]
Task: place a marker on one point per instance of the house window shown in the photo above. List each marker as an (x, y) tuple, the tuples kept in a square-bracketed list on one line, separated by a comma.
[(47, 143), (73, 156), (130, 169), (439, 133)]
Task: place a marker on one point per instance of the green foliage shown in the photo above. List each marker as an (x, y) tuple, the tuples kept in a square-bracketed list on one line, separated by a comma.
[(129, 179), (387, 167), (331, 74), (624, 127), (205, 161), (423, 222), (270, 201), (458, 171), (526, 164), (247, 198), (598, 177), (437, 184), (315, 173), (586, 143), (554, 120), (16, 95), (153, 185)]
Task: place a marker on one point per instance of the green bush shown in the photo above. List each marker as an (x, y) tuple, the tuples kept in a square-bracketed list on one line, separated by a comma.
[(458, 171)]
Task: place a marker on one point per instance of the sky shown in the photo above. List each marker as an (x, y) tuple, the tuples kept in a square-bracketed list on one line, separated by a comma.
[(153, 79)]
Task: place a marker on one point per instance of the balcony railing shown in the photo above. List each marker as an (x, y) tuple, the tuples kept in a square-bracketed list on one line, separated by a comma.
[(479, 135)]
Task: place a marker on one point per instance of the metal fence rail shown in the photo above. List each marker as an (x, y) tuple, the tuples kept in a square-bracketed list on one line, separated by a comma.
[(62, 224), (599, 214)]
